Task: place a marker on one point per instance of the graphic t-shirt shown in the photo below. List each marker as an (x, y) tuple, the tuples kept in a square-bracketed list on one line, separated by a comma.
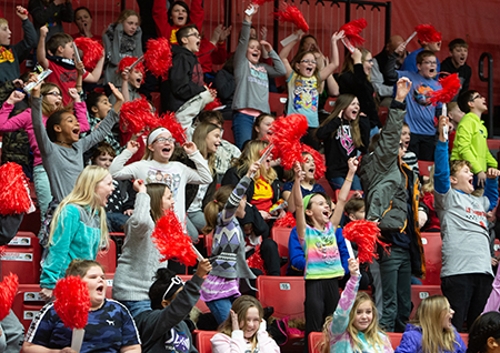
[(303, 97)]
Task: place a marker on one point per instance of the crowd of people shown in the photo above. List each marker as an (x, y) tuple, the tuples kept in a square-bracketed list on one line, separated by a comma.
[(91, 177)]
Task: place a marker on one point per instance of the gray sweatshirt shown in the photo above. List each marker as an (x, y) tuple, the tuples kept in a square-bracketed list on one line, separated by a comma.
[(64, 165), (252, 83), (140, 258)]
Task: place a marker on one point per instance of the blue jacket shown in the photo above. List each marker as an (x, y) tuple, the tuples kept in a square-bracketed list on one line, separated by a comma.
[(412, 341), (298, 258)]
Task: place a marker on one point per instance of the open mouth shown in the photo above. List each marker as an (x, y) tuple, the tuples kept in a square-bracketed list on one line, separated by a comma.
[(309, 70), (166, 150), (100, 289), (76, 130), (180, 18), (432, 71)]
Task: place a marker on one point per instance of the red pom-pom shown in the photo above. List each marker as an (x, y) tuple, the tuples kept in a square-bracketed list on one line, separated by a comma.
[(135, 116), (366, 235), (212, 105), (171, 241), (127, 61), (8, 290), (286, 134), (319, 161), (14, 194), (92, 51), (287, 222), (158, 57), (3, 248), (292, 14), (353, 29), (72, 302), (170, 122), (450, 87), (260, 2), (256, 261), (426, 33)]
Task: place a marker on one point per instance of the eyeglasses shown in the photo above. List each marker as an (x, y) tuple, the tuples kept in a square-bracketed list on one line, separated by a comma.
[(163, 140), (55, 94), (314, 62), (430, 62), (476, 97), (196, 35), (175, 281)]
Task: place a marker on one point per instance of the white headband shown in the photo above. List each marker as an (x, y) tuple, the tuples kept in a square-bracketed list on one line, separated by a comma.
[(153, 135)]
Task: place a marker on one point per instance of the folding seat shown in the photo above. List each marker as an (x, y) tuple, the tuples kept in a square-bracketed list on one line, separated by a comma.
[(203, 341), (277, 102), (107, 258), (27, 303), (280, 235), (22, 256), (395, 338), (433, 261), (420, 292), (314, 340)]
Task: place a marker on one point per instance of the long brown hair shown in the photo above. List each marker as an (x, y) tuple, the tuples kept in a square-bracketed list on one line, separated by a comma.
[(429, 317), (200, 140), (47, 108), (348, 65), (251, 154), (240, 307), (214, 207), (156, 192), (343, 101)]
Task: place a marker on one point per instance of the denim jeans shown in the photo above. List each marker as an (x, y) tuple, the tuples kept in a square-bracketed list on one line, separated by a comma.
[(42, 189), (336, 183), (220, 308), (242, 128), (137, 307)]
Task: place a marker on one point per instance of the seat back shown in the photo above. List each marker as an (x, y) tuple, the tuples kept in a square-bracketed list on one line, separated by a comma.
[(424, 167), (314, 342), (200, 304), (22, 256), (395, 338), (286, 294), (431, 243), (107, 258), (27, 303), (420, 292), (277, 102), (203, 341), (281, 235)]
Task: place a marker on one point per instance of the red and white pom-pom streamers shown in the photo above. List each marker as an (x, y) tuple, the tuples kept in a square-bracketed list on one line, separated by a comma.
[(172, 242), (291, 14), (8, 290), (450, 85), (352, 31), (14, 195), (426, 33), (286, 134), (135, 116), (319, 161), (170, 122), (92, 51), (212, 105), (288, 221), (128, 61), (260, 2), (366, 235), (158, 57), (72, 303)]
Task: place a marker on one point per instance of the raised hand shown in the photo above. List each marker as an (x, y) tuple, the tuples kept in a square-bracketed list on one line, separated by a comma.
[(21, 12), (403, 87), (353, 267), (116, 92), (204, 267), (133, 146), (73, 93), (266, 45), (253, 169), (190, 147), (235, 325), (139, 185), (337, 36), (15, 97), (353, 164)]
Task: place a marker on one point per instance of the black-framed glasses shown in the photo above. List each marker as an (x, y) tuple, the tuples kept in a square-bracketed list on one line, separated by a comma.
[(196, 35), (476, 97), (163, 140), (309, 61), (55, 94), (175, 281)]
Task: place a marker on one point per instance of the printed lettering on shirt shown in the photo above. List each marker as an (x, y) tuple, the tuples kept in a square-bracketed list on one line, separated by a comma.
[(421, 94), (68, 76), (306, 93), (258, 74), (344, 135), (159, 176), (178, 342), (476, 214)]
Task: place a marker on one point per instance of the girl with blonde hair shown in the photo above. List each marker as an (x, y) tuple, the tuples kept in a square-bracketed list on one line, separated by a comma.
[(244, 330), (78, 229), (354, 325), (345, 134), (432, 331)]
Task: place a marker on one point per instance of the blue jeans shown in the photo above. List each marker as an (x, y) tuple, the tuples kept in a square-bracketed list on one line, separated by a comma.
[(242, 128), (220, 308), (137, 307), (337, 182), (42, 189)]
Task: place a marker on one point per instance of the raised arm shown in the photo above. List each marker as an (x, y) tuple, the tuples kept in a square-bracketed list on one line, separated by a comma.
[(334, 63), (340, 319), (80, 110), (299, 203), (285, 52), (344, 192), (277, 69), (30, 37), (441, 161), (118, 169), (41, 55), (163, 27), (19, 121), (44, 144), (95, 75)]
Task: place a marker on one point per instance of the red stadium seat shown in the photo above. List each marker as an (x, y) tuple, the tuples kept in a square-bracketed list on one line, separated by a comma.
[(432, 252), (493, 144), (330, 104), (27, 303), (200, 304), (424, 167), (465, 338), (281, 235), (277, 102), (22, 257), (351, 194), (107, 258), (329, 191), (203, 341), (395, 338), (419, 293), (228, 131), (109, 281), (286, 294), (314, 340), (383, 113)]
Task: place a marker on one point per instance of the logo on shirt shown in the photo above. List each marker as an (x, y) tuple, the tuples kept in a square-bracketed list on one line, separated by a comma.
[(422, 93)]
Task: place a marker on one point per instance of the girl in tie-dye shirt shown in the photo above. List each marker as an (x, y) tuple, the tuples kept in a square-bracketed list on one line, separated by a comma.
[(316, 226)]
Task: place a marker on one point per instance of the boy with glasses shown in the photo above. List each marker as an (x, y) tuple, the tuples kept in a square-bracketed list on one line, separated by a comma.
[(185, 78), (471, 138), (420, 111)]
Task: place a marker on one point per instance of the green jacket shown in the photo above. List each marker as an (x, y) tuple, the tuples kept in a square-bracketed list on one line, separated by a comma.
[(471, 144)]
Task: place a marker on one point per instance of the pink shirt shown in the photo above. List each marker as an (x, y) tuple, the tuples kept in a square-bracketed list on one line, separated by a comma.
[(23, 121)]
